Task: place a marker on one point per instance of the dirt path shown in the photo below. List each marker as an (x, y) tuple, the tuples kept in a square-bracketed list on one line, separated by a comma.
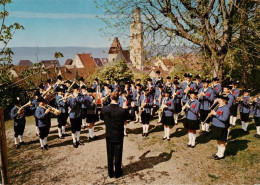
[(145, 161)]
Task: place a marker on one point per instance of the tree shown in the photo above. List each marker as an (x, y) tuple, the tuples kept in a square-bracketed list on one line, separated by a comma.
[(7, 89), (208, 24), (118, 70)]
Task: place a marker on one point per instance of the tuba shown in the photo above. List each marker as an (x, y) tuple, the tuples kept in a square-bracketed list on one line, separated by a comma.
[(21, 109)]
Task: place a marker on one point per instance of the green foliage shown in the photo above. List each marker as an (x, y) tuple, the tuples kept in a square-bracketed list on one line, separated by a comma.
[(115, 70), (141, 76), (58, 55)]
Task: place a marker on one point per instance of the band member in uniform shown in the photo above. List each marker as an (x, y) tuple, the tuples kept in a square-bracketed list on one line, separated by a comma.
[(167, 108), (92, 115), (149, 84), (33, 108), (75, 101), (146, 103), (191, 121), (244, 109), (106, 95), (96, 85), (81, 82), (62, 105), (138, 81), (227, 92), (108, 82), (84, 93), (159, 94), (216, 87), (136, 97), (177, 95), (255, 111), (44, 122), (48, 85), (114, 118), (233, 110), (116, 86), (59, 82), (157, 80), (168, 84), (19, 122), (220, 124), (67, 84), (188, 86), (206, 98)]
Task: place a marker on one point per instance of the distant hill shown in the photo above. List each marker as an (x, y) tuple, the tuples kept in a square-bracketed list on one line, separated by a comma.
[(47, 53)]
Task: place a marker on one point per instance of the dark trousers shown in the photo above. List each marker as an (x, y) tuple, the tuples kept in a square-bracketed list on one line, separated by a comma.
[(114, 156), (75, 124), (62, 119), (19, 130), (44, 131)]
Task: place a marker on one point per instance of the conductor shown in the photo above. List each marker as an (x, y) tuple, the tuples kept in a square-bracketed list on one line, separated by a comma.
[(114, 118)]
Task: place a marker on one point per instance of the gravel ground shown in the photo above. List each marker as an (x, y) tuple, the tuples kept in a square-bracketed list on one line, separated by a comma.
[(145, 160)]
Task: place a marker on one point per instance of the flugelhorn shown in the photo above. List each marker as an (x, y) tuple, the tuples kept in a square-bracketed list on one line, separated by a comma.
[(53, 110)]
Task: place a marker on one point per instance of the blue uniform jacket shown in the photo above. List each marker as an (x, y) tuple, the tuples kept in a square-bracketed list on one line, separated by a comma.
[(221, 119), (255, 110), (134, 98), (178, 95), (34, 105), (107, 101), (62, 106), (206, 101), (168, 111), (149, 102), (88, 102), (14, 115), (192, 112), (157, 95), (230, 100), (244, 106), (44, 120), (122, 100), (75, 105)]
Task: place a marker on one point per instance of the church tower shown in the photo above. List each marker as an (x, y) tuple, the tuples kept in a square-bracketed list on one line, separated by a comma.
[(136, 40)]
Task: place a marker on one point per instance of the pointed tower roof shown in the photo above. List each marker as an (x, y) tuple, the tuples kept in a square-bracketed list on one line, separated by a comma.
[(115, 46)]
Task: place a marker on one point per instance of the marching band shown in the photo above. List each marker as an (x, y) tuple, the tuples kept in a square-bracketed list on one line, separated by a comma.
[(199, 102)]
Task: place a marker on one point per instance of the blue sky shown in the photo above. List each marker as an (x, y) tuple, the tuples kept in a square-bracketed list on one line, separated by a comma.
[(57, 23)]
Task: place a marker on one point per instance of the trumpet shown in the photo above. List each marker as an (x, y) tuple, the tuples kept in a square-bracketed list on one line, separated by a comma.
[(53, 110), (184, 107), (21, 110), (163, 106)]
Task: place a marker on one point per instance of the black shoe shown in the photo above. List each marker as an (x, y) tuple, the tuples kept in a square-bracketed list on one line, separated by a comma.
[(164, 138), (61, 137), (136, 121), (192, 146), (168, 139), (93, 138), (17, 146), (219, 158), (146, 134), (126, 135), (111, 175), (257, 135), (22, 143), (42, 148), (188, 145), (46, 147), (75, 145), (143, 134), (214, 155)]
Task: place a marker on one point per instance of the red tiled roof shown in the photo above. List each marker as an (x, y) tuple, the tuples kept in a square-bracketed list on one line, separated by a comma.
[(115, 46), (27, 63), (88, 61), (68, 62)]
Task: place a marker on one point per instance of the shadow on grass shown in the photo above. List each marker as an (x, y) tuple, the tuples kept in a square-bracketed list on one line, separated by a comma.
[(238, 132), (203, 138), (146, 162), (233, 147), (179, 132)]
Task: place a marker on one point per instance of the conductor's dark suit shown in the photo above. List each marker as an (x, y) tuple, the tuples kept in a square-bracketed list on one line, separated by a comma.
[(114, 117)]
